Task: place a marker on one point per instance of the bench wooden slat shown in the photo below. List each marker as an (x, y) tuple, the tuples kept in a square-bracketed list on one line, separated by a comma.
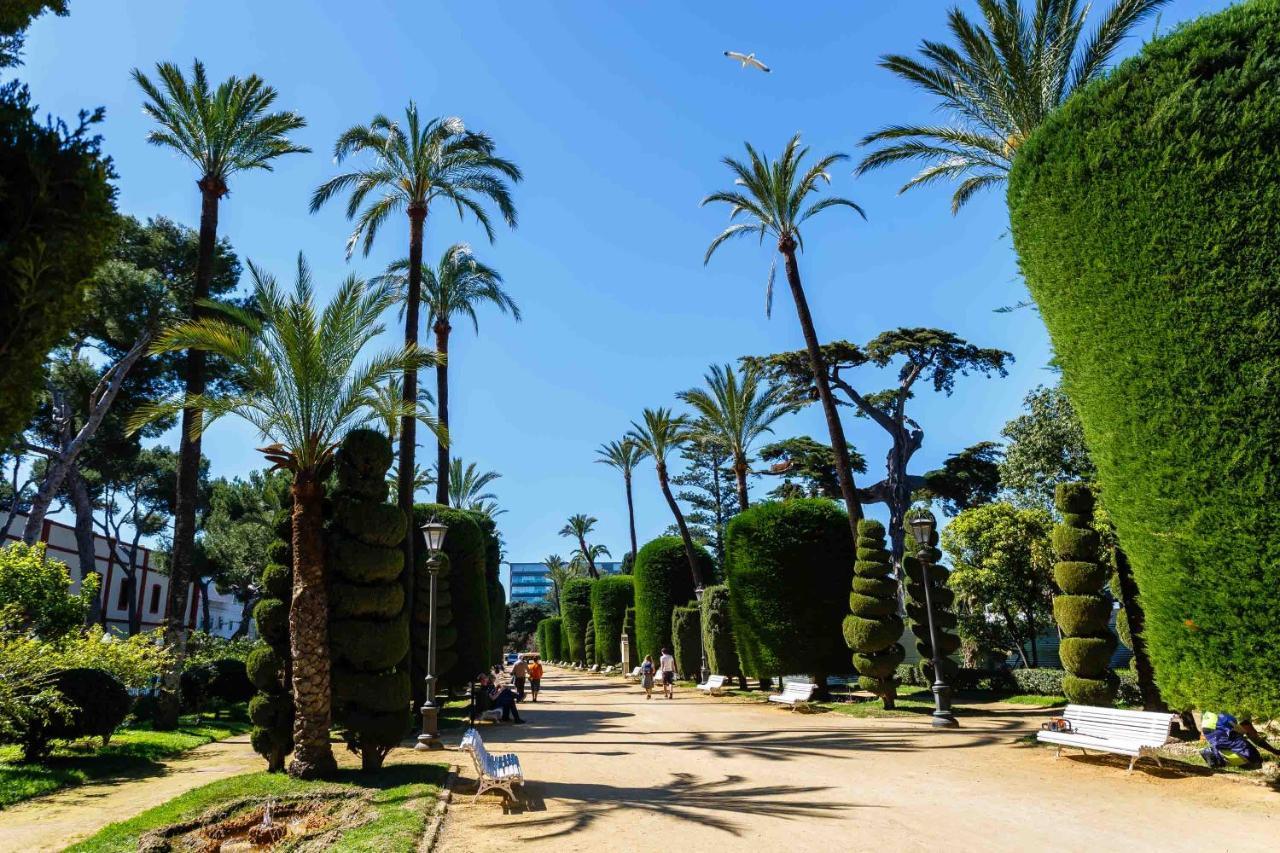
[(1133, 733)]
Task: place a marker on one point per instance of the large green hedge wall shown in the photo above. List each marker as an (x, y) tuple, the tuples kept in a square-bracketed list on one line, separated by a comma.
[(686, 636), (466, 598), (368, 625), (611, 595), (1082, 610), (493, 584), (943, 600), (662, 582), (269, 665), (575, 611), (873, 626), (1145, 213), (540, 639), (555, 639), (789, 566), (717, 633)]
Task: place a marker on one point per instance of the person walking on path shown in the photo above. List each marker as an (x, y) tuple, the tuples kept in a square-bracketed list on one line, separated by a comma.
[(535, 677), (519, 673), (667, 665), (646, 676)]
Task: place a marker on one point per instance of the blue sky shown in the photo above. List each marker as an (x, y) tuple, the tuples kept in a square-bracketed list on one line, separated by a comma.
[(618, 114)]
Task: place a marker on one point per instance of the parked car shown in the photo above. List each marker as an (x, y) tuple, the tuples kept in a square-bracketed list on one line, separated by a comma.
[(512, 657)]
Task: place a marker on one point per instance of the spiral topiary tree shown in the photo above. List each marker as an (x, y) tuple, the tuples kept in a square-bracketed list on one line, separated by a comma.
[(368, 625), (943, 599), (1082, 611), (662, 582), (462, 601), (717, 634), (611, 597), (589, 643), (873, 625), (575, 611), (686, 635), (564, 641), (789, 567), (268, 665), (1144, 212)]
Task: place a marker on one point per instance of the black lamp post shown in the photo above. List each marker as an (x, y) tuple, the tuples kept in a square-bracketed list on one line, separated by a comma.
[(705, 671), (434, 532), (922, 527)]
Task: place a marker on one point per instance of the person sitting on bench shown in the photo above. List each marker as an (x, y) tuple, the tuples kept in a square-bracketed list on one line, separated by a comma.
[(1231, 741), (502, 698)]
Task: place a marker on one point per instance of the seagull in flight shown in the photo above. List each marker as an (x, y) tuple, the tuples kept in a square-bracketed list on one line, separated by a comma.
[(747, 60)]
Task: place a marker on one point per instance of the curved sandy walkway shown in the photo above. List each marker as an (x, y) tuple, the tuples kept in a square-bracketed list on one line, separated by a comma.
[(610, 771), (63, 817)]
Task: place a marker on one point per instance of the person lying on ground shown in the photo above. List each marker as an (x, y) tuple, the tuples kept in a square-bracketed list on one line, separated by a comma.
[(1232, 742)]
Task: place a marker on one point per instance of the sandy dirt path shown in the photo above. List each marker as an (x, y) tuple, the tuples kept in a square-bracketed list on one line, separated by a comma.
[(610, 771), (64, 817)]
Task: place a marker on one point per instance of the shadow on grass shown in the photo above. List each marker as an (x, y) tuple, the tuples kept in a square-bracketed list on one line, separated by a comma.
[(707, 802)]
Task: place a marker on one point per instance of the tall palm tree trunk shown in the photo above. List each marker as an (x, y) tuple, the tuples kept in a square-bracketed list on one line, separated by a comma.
[(591, 561), (694, 569), (408, 425), (442, 412), (184, 516), (631, 516), (844, 472), (740, 473), (309, 633)]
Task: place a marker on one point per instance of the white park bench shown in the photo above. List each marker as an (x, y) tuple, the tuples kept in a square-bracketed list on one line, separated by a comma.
[(1137, 734), (492, 771), (715, 683), (797, 694), (635, 674)]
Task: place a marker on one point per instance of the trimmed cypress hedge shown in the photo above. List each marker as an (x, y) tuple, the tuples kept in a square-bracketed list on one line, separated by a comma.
[(873, 625), (1145, 217), (555, 639), (717, 634), (662, 582), (269, 665), (611, 596), (686, 635), (575, 611), (789, 567), (944, 618), (466, 599), (493, 583), (368, 628), (1087, 643)]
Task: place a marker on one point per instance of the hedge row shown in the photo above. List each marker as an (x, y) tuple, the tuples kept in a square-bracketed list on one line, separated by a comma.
[(662, 583), (611, 596), (575, 611), (462, 601)]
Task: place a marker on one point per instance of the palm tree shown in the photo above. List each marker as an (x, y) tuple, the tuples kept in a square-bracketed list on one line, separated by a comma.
[(302, 389), (999, 84), (559, 572), (466, 485), (221, 131), (773, 196), (624, 455), (412, 167), (736, 410), (457, 286), (658, 435), (577, 528)]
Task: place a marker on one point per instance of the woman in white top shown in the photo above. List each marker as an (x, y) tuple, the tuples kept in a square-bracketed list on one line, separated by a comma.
[(667, 666)]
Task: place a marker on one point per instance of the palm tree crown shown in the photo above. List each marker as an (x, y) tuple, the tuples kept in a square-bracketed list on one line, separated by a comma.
[(467, 486), (999, 84), (558, 572), (387, 401), (659, 432), (412, 166), (624, 455), (735, 410), (773, 195), (458, 285), (222, 131), (299, 382)]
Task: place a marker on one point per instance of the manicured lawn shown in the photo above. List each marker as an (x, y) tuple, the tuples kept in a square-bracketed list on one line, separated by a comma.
[(402, 798), (132, 752), (1035, 700)]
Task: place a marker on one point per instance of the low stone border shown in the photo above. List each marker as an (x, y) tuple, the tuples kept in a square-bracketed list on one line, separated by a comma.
[(432, 832)]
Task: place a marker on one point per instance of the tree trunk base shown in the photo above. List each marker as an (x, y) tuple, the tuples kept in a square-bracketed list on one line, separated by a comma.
[(168, 708), (321, 767)]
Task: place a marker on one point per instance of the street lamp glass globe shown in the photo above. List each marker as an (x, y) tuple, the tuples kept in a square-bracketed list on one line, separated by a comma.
[(434, 531), (922, 527)]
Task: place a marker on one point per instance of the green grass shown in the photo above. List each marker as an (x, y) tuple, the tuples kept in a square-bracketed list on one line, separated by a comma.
[(911, 701), (1033, 699), (399, 815), (133, 751)]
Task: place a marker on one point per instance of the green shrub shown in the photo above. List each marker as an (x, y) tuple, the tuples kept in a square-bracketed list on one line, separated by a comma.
[(268, 666), (540, 635), (1144, 214), (629, 629), (277, 581), (942, 598), (555, 639), (789, 567), (662, 581), (1081, 615), (368, 625), (35, 593), (272, 618), (464, 557), (493, 582), (717, 633), (686, 634), (1086, 654), (575, 610), (873, 626), (1076, 578), (98, 704), (589, 643), (1042, 681), (264, 667), (611, 596)]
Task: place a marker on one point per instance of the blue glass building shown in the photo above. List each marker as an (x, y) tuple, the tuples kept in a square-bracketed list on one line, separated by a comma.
[(529, 581)]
